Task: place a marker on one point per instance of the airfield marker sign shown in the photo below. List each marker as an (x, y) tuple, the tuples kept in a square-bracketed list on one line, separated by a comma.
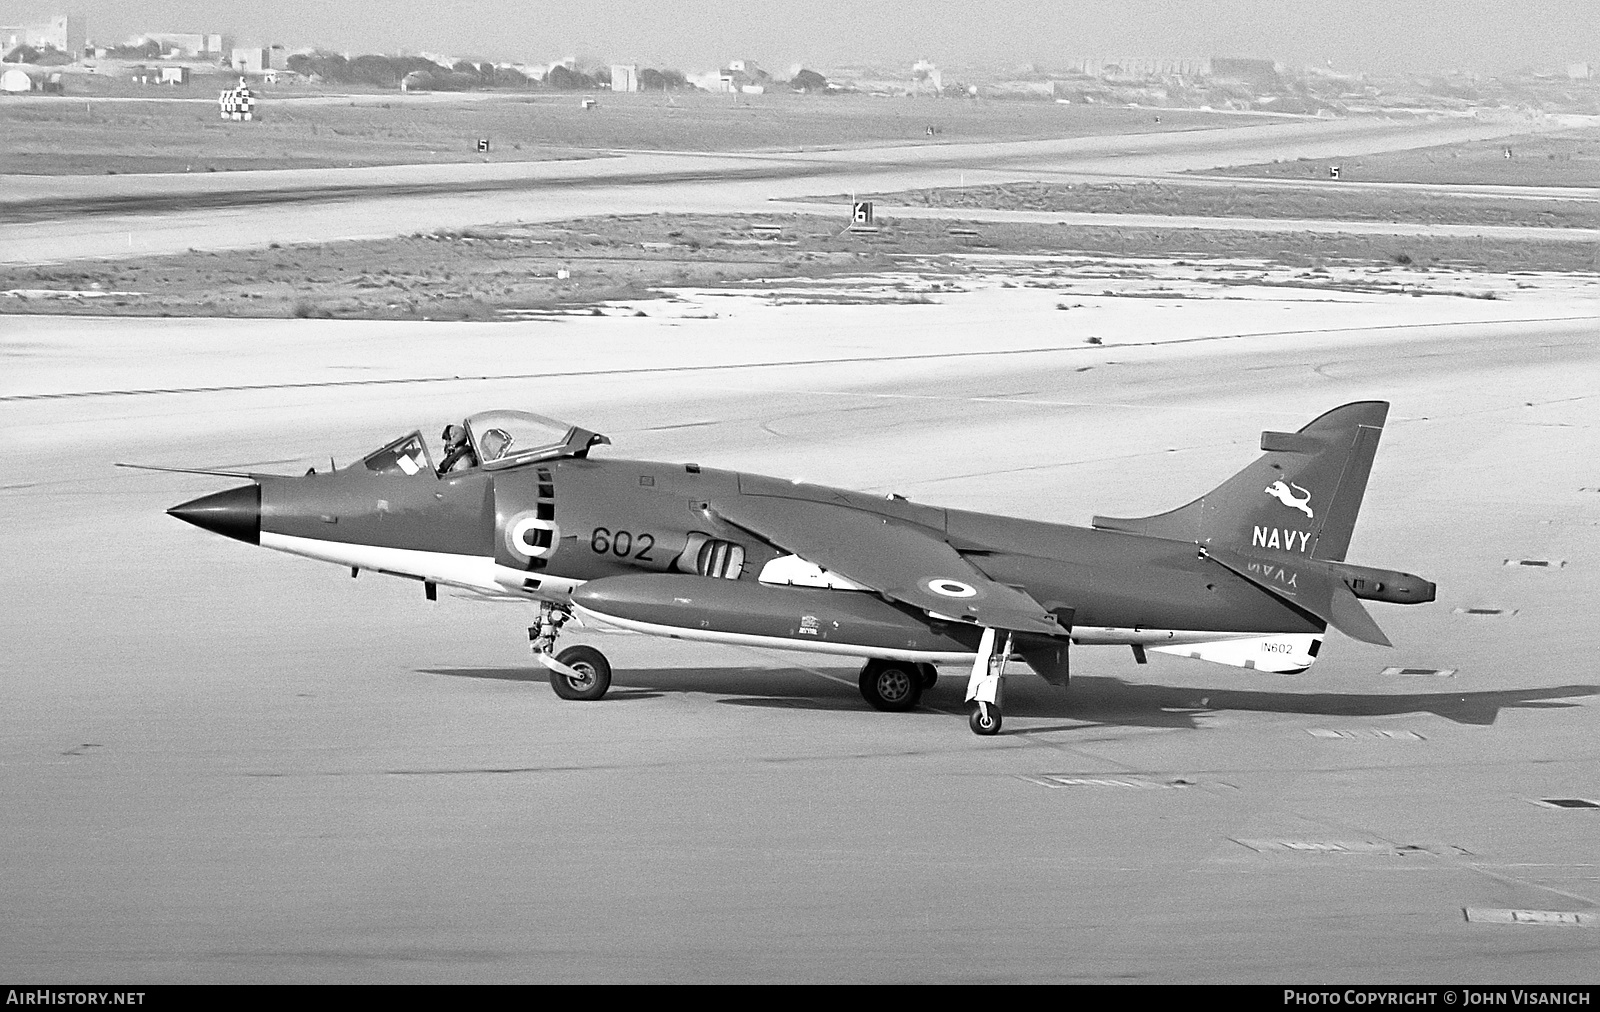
[(861, 218), (238, 104)]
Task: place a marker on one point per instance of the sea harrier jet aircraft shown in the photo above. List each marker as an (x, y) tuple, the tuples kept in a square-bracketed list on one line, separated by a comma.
[(1250, 574)]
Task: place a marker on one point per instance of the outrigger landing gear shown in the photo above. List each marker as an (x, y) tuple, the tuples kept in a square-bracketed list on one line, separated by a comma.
[(985, 689), (575, 673), (892, 686)]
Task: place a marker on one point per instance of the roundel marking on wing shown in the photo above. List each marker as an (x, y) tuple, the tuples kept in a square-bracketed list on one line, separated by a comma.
[(522, 540), (952, 588)]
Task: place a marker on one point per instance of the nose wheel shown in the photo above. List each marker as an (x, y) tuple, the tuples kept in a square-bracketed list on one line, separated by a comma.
[(578, 672)]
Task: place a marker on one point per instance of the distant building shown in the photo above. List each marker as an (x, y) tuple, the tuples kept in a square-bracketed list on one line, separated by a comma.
[(738, 76), (16, 80), (188, 45), (1580, 71), (727, 80), (926, 77), (259, 59), (624, 77), (713, 80), (1261, 74), (159, 75), (1137, 68), (177, 44), (63, 32), (1023, 89)]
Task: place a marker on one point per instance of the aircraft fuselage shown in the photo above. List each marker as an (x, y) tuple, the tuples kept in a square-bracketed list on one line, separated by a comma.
[(1250, 574), (609, 518)]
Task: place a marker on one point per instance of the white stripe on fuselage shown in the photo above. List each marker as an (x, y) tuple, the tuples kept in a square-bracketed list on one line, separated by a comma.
[(470, 572)]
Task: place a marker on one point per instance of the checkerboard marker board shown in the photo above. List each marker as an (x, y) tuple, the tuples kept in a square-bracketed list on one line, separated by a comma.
[(238, 104)]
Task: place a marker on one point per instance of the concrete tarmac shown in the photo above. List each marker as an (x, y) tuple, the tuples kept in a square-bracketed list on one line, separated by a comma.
[(225, 764)]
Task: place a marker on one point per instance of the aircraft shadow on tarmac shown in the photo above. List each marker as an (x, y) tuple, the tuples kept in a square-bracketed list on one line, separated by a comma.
[(1092, 700), (1112, 701), (531, 675)]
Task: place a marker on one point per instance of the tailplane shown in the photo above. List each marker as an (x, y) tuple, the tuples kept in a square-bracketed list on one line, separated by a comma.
[(1300, 497)]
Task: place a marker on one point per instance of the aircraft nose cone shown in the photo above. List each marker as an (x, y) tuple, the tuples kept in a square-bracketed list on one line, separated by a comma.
[(235, 513)]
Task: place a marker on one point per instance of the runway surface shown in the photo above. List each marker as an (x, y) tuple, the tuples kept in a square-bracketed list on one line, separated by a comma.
[(221, 763), (56, 219)]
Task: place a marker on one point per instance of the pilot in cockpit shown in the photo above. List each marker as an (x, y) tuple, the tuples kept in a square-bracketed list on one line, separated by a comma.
[(458, 455)]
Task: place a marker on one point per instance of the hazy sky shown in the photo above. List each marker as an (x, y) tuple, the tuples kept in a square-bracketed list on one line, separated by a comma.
[(1483, 35)]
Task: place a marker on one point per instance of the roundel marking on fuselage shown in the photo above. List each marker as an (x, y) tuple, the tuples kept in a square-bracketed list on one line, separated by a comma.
[(952, 588), (519, 532)]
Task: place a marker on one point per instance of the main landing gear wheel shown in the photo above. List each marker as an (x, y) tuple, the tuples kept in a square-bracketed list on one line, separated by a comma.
[(594, 674), (983, 718), (891, 686)]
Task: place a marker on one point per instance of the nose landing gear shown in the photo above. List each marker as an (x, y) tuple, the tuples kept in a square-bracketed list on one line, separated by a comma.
[(578, 672), (587, 673)]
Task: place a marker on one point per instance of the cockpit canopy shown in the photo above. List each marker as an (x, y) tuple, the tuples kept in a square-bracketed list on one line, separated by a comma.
[(406, 456), (501, 439), (504, 439)]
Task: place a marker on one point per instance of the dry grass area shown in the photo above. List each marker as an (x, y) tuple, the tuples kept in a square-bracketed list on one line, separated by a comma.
[(1570, 158), (472, 274), (1331, 203), (69, 137), (76, 136), (578, 266)]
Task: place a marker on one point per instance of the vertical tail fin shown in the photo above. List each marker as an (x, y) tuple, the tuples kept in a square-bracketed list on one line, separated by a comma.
[(1300, 497)]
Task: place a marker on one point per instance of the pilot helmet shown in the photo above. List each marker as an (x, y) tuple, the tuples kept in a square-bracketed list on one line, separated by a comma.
[(453, 434)]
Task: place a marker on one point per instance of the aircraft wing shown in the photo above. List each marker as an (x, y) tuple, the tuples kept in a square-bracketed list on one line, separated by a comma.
[(903, 561), (1310, 587)]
